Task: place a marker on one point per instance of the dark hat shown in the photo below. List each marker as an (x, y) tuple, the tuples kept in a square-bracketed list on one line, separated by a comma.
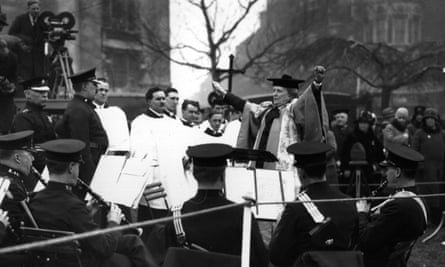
[(401, 156), (309, 154), (3, 20), (244, 154), (64, 150), (88, 75), (431, 113), (286, 81), (365, 116), (19, 140), (36, 84), (388, 113), (215, 99), (419, 110), (210, 155)]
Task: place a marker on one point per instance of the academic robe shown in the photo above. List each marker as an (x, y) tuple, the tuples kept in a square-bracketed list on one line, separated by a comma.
[(259, 124)]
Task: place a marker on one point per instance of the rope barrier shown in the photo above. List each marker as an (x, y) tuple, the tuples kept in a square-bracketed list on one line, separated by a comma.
[(374, 184), (97, 232), (349, 199), (65, 239)]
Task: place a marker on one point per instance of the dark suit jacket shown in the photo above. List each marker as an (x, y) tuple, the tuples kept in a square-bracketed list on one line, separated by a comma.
[(291, 236), (56, 207), (400, 220), (81, 122), (32, 62), (218, 231)]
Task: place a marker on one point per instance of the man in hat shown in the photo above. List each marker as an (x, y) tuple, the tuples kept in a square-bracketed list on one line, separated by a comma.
[(15, 165), (416, 122), (268, 127), (219, 231), (33, 117), (398, 222), (81, 122), (296, 231), (63, 161), (24, 26)]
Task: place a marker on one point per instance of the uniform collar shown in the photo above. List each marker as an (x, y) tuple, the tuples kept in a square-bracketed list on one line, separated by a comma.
[(32, 106), (153, 114), (82, 98), (59, 186), (7, 170)]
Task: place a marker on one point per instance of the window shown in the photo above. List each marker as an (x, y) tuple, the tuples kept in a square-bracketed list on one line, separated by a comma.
[(124, 69), (122, 15), (400, 33), (381, 30)]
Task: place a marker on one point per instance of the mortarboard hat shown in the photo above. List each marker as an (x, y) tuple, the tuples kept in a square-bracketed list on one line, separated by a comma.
[(17, 141), (36, 84), (308, 154), (401, 156), (210, 155), (3, 20), (88, 75), (63, 150), (286, 81)]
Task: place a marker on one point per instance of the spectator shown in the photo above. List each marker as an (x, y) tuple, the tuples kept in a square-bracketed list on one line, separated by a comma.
[(364, 135), (396, 132), (429, 140), (8, 80), (416, 122), (101, 97), (31, 60), (341, 129)]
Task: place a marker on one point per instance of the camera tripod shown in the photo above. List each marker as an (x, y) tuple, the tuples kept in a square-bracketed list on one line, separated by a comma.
[(61, 70)]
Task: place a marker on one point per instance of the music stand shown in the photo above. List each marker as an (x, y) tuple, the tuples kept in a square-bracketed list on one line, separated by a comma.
[(358, 161), (244, 154)]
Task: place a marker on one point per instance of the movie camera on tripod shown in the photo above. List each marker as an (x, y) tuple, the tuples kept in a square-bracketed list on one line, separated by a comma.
[(58, 29)]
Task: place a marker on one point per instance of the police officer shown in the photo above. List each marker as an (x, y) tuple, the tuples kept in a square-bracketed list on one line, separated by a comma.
[(15, 165), (57, 207), (81, 122), (219, 231), (296, 231), (397, 222), (33, 117)]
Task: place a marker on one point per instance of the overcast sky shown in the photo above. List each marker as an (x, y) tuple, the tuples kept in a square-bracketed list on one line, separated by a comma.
[(187, 27)]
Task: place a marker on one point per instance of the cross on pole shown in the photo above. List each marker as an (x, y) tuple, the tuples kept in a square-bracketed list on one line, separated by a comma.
[(231, 71)]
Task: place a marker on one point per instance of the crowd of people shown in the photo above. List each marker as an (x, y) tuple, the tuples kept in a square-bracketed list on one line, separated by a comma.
[(189, 154)]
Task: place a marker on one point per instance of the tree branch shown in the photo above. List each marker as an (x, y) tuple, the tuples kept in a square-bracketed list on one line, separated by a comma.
[(363, 78)]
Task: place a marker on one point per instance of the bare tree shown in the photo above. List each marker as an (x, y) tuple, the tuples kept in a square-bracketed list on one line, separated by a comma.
[(378, 65), (219, 31)]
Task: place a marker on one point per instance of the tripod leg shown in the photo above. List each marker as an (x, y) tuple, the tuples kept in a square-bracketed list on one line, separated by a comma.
[(68, 90), (67, 72)]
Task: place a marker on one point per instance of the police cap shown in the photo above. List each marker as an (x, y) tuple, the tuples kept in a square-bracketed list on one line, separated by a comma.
[(17, 141), (309, 154), (36, 84), (84, 76), (64, 150), (401, 156), (210, 155)]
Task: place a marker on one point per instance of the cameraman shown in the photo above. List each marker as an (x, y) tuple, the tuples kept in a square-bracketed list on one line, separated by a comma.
[(8, 79), (25, 27)]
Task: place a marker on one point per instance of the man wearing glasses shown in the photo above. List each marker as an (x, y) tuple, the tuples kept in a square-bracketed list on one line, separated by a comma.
[(81, 122)]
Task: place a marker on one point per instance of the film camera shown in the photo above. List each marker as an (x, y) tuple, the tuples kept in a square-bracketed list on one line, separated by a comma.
[(58, 28)]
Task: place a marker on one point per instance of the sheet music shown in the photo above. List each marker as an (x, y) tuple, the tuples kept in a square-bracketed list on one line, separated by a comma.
[(239, 182), (269, 188), (107, 175)]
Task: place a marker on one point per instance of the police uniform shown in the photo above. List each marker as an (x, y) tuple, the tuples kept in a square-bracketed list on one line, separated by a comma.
[(57, 207), (399, 220), (292, 237), (81, 122), (219, 231), (33, 117), (16, 141)]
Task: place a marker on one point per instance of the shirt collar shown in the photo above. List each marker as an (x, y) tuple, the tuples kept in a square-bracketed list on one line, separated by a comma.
[(153, 114)]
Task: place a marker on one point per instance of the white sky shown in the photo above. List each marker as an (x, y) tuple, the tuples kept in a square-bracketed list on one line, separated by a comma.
[(187, 27)]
